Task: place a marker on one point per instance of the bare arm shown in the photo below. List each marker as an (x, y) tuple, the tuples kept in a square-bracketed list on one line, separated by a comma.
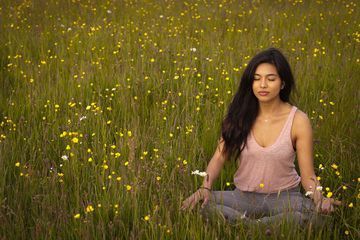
[(215, 165), (213, 170), (304, 147)]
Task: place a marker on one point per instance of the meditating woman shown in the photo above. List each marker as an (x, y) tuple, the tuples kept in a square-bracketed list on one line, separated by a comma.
[(263, 132)]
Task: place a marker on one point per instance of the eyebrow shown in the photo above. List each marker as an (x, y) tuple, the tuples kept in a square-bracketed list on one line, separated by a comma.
[(271, 74)]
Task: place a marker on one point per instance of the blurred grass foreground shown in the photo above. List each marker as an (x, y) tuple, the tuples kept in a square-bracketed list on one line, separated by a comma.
[(107, 106)]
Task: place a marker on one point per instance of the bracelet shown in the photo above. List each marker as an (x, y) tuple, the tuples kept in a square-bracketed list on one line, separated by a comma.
[(206, 188)]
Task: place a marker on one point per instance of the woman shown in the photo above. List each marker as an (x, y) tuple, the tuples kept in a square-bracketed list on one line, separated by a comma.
[(264, 131)]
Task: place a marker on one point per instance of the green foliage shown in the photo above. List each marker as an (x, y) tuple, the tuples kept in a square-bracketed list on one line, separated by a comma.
[(107, 106)]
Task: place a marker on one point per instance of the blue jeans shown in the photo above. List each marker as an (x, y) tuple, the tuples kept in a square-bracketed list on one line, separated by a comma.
[(237, 205)]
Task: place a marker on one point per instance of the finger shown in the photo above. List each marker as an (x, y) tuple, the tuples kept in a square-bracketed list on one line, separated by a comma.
[(326, 210), (191, 202), (187, 202), (195, 199), (184, 205), (192, 205), (206, 200), (326, 206)]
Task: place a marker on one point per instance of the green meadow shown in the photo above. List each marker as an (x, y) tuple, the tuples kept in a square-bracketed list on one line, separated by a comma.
[(106, 107)]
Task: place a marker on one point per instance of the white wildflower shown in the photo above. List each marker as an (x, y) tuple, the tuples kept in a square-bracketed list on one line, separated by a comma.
[(319, 188), (64, 157), (197, 172), (192, 49), (308, 193), (82, 118), (243, 215)]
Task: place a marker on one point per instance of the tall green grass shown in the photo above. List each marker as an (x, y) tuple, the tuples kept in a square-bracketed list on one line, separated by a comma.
[(154, 79)]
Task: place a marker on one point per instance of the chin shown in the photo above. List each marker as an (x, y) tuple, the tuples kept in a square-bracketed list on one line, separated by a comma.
[(266, 99)]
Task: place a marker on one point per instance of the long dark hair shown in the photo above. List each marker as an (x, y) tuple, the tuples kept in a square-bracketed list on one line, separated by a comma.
[(244, 107)]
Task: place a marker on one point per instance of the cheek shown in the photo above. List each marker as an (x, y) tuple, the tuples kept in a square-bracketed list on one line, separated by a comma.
[(277, 85), (254, 85)]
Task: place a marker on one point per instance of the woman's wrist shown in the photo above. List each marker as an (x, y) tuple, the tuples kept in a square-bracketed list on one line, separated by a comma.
[(202, 187)]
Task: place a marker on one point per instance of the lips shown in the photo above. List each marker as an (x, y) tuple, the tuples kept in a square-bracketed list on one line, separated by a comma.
[(263, 93)]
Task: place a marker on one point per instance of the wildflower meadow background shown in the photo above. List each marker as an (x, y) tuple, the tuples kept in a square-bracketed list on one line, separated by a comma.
[(107, 106)]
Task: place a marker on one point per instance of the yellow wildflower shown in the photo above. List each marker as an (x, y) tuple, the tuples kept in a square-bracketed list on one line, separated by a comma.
[(261, 185), (63, 134), (89, 208), (75, 140), (329, 194), (17, 164), (76, 216)]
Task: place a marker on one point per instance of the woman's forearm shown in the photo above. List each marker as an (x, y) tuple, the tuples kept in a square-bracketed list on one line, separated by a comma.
[(312, 187), (214, 167)]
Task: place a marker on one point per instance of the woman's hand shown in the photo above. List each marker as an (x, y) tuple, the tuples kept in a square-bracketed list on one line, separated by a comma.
[(201, 194), (326, 205)]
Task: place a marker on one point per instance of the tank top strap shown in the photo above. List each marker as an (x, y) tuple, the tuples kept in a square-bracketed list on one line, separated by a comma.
[(289, 121)]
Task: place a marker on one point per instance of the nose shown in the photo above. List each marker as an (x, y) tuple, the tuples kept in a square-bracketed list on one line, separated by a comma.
[(263, 83)]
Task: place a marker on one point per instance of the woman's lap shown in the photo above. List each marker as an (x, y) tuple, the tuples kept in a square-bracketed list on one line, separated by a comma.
[(236, 204)]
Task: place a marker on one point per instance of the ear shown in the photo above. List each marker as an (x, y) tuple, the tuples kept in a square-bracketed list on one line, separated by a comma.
[(282, 85)]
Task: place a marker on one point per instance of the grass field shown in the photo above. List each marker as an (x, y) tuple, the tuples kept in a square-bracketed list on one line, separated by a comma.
[(107, 106)]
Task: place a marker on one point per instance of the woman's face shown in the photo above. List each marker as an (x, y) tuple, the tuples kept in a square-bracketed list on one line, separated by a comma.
[(267, 83)]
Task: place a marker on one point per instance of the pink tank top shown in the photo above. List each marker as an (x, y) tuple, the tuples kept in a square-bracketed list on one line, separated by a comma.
[(268, 169)]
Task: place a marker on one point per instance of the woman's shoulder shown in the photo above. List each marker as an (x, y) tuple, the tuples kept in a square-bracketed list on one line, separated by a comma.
[(301, 119)]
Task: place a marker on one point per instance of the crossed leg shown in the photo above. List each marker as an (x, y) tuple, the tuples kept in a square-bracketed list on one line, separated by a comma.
[(236, 205)]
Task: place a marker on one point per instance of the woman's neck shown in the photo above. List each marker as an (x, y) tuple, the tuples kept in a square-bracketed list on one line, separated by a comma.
[(270, 109)]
